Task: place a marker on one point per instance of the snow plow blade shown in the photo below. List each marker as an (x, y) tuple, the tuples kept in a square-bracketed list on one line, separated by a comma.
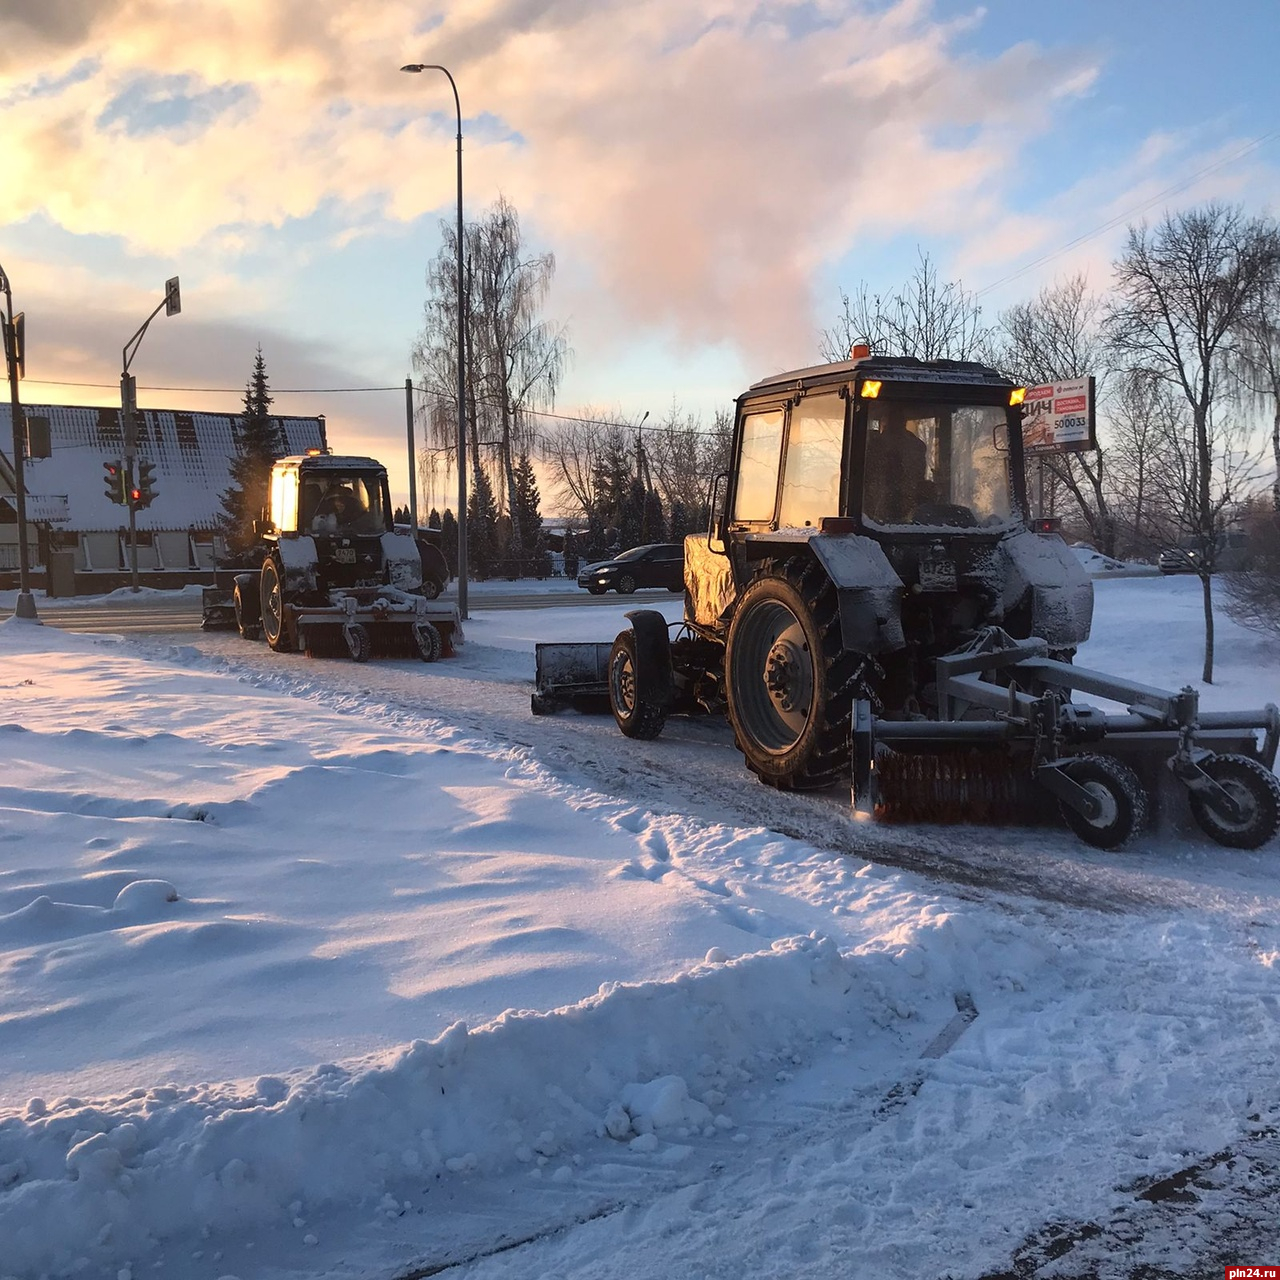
[(570, 675), (218, 612)]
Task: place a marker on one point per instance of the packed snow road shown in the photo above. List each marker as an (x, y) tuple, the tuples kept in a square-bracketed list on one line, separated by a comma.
[(309, 969), (694, 769)]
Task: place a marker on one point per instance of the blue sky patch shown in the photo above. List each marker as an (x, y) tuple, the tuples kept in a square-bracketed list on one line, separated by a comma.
[(164, 104)]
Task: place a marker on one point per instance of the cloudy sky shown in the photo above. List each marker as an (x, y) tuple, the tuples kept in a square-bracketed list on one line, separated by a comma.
[(708, 174)]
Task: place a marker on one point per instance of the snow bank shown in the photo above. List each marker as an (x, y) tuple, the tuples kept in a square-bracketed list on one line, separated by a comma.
[(637, 1064)]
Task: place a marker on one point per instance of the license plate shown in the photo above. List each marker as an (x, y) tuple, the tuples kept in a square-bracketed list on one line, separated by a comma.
[(937, 574), (344, 555)]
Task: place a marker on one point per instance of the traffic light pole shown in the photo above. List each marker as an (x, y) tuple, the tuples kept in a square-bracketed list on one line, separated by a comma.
[(26, 603), (171, 305)]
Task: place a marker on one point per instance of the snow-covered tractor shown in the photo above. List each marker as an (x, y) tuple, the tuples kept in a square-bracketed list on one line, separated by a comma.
[(871, 602), (330, 574)]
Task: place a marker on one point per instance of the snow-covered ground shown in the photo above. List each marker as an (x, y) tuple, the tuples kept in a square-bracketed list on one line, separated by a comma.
[(315, 970)]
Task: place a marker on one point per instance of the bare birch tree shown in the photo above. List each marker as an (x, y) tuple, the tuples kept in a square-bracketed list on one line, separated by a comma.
[(515, 358), (928, 318), (1052, 338), (1182, 291)]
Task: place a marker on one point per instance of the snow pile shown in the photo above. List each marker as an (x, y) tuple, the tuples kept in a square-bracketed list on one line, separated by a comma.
[(620, 1066)]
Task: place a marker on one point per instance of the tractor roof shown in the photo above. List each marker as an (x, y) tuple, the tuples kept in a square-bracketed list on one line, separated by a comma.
[(887, 369), (331, 462)]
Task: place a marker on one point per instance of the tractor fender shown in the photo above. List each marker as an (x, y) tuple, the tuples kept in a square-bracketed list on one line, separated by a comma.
[(247, 581), (402, 562), (868, 589), (653, 655), (298, 560), (434, 566), (1061, 591)]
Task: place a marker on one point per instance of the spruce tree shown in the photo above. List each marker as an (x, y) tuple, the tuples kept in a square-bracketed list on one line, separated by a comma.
[(482, 520), (433, 520), (529, 514), (449, 540), (631, 515), (653, 524), (258, 445)]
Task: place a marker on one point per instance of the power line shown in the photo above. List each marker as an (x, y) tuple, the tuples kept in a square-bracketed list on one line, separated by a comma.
[(227, 391), (332, 391), (1129, 213)]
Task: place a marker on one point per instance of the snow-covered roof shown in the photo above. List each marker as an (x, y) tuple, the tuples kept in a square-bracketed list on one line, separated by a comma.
[(192, 453)]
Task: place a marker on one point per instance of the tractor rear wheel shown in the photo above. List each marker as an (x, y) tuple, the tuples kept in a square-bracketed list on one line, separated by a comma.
[(275, 622), (248, 614), (1256, 791), (790, 683)]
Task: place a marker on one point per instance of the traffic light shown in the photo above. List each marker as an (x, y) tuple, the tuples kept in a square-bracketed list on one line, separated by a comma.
[(114, 479), (20, 343), (144, 492)]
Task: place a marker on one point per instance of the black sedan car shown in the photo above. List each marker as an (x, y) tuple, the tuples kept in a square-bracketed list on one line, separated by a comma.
[(660, 564)]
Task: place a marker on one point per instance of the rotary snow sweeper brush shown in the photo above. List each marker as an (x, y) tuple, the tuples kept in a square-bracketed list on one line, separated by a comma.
[(870, 598)]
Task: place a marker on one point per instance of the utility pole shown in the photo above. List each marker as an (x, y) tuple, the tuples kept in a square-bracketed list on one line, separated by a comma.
[(413, 459), (172, 304), (13, 337)]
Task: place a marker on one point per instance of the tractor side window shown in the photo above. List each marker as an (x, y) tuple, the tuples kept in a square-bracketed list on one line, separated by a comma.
[(284, 502), (758, 468), (979, 470), (811, 477)]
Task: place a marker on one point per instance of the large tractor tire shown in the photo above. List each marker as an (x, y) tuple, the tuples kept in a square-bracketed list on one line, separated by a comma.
[(275, 623), (248, 612), (790, 684)]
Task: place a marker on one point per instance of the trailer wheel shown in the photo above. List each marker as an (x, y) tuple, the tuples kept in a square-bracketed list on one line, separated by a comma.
[(275, 625), (1119, 793), (626, 585), (359, 642), (1254, 788), (790, 683), (428, 640), (248, 614), (430, 588), (637, 712)]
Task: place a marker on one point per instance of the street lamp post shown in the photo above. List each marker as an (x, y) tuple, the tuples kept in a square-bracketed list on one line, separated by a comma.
[(172, 304), (462, 368), (26, 603)]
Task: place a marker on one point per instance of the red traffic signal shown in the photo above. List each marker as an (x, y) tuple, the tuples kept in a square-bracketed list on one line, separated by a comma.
[(113, 479), (1047, 524)]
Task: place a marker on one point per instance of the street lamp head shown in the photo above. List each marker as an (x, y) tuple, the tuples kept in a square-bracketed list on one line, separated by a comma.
[(415, 66)]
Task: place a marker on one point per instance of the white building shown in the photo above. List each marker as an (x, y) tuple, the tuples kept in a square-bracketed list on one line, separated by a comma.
[(68, 509)]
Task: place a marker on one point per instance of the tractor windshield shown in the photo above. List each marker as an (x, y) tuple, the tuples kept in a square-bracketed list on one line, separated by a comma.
[(346, 504), (933, 465)]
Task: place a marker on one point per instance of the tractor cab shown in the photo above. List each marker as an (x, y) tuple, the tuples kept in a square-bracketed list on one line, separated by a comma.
[(326, 495), (878, 443)]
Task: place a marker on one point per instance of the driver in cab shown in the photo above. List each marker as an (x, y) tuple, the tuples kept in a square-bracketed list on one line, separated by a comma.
[(895, 481), (338, 511)]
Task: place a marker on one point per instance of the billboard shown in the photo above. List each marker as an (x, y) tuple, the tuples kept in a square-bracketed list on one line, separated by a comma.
[(1059, 417)]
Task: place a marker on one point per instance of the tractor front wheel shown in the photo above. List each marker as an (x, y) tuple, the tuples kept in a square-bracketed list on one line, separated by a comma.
[(248, 613), (790, 683), (275, 622), (637, 712)]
